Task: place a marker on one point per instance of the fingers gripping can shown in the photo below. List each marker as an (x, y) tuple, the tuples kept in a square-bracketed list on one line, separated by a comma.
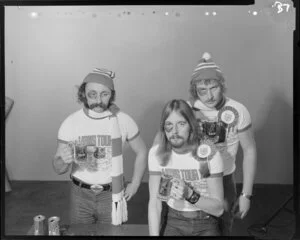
[(39, 225), (165, 186), (53, 226)]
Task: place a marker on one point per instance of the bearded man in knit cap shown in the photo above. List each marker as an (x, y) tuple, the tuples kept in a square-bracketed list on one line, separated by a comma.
[(90, 143), (227, 123)]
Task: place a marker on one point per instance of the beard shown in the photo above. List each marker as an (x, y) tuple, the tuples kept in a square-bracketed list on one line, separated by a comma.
[(176, 141)]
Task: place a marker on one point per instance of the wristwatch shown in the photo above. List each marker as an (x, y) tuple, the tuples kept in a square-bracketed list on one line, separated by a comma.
[(249, 197), (193, 198)]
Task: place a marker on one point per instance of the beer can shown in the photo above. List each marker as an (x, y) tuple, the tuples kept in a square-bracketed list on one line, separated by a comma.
[(53, 226), (39, 225), (165, 186)]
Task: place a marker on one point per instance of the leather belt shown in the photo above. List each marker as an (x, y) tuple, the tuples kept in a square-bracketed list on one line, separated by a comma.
[(190, 214), (94, 187)]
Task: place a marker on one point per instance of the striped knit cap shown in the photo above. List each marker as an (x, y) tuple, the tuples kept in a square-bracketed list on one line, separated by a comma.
[(207, 69), (102, 76), (119, 204)]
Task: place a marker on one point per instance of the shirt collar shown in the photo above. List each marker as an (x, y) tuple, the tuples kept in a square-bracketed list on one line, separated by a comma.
[(95, 115)]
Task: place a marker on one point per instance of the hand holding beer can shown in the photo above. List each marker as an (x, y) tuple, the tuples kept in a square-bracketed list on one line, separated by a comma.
[(66, 154), (79, 152), (165, 186)]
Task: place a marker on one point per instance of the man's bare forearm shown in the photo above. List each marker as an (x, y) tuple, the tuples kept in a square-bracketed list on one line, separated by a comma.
[(212, 206), (139, 168), (249, 170), (154, 212)]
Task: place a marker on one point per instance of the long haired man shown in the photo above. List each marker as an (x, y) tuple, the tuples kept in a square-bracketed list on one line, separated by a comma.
[(195, 198)]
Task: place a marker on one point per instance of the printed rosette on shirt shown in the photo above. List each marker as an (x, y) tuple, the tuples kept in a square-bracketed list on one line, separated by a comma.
[(229, 115), (206, 150)]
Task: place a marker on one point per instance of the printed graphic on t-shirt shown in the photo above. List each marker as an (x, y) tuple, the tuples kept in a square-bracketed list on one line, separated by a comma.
[(93, 152), (192, 177), (215, 131)]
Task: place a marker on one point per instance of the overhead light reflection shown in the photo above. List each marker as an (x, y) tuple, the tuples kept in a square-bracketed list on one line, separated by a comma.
[(34, 14)]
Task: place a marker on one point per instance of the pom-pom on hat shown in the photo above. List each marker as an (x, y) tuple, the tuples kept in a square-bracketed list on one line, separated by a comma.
[(102, 76), (207, 69)]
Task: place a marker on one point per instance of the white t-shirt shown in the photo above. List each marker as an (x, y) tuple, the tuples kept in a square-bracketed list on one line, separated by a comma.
[(86, 129), (187, 168), (229, 143)]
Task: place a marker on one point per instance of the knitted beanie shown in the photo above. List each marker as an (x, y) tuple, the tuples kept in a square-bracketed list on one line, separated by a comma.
[(102, 76), (207, 69)]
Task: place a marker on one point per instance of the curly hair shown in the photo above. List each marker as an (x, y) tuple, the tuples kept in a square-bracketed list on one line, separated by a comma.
[(81, 98)]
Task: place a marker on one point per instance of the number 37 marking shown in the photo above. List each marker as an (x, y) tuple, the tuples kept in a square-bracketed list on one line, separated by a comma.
[(279, 6)]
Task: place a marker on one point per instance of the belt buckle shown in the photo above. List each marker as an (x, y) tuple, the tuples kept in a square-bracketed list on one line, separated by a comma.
[(97, 188)]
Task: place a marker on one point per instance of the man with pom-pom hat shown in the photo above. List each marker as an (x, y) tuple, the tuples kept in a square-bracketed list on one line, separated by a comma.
[(228, 124)]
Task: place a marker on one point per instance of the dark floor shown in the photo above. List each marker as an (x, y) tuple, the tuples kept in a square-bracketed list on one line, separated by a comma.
[(30, 198)]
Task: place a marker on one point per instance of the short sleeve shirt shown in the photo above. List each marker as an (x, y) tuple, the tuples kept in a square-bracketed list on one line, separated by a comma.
[(187, 168), (84, 130), (228, 141)]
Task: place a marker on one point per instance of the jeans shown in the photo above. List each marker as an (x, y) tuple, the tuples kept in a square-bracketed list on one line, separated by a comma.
[(88, 207), (230, 197), (196, 223)]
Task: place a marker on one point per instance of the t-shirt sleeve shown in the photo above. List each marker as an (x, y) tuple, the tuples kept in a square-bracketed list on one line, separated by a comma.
[(244, 122), (128, 127), (153, 164), (216, 165), (66, 131)]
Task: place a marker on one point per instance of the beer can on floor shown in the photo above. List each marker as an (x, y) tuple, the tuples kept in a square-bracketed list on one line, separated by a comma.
[(39, 224), (53, 226)]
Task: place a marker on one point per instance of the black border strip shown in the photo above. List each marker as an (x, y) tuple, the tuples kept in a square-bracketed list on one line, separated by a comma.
[(124, 2)]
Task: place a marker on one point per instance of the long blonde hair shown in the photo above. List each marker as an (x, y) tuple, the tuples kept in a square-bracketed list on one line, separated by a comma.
[(181, 107), (195, 135)]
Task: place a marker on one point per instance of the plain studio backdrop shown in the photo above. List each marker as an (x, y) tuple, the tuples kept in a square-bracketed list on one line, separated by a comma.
[(153, 50)]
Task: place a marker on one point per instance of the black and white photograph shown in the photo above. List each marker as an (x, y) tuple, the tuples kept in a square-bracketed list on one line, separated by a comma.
[(102, 102)]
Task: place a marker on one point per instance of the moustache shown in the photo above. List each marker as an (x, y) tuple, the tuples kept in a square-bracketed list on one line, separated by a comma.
[(101, 105), (176, 136)]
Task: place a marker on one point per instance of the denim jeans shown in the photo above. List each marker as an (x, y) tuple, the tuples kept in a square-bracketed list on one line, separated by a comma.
[(230, 197), (196, 223), (88, 207)]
